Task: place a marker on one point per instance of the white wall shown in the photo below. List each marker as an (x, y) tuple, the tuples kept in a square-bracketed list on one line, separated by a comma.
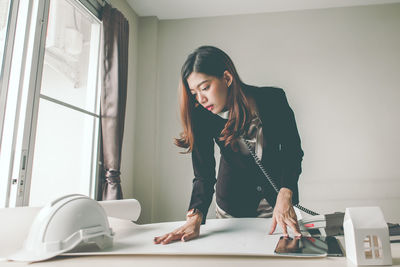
[(146, 108), (340, 69)]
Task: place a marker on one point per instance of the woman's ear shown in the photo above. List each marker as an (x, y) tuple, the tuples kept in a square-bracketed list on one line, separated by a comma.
[(228, 78)]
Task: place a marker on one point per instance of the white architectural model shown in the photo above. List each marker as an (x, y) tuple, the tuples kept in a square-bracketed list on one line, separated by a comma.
[(367, 236)]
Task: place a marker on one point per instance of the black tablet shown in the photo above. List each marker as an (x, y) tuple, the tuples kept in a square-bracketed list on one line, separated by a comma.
[(309, 246)]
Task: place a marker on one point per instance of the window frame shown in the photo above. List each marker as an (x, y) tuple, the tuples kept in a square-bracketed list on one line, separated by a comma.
[(18, 191), (7, 59)]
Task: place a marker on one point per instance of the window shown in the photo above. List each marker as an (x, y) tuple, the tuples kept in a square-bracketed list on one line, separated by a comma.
[(373, 247), (5, 30), (4, 15), (54, 129)]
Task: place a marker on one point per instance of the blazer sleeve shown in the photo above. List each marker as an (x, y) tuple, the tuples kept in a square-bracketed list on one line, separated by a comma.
[(203, 162), (291, 151)]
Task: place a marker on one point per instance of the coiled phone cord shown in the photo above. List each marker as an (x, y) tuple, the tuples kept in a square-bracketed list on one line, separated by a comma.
[(270, 180)]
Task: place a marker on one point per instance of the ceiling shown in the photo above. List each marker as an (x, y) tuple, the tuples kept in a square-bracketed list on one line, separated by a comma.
[(179, 9)]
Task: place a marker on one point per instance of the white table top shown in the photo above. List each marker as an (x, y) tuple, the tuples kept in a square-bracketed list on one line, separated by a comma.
[(15, 223)]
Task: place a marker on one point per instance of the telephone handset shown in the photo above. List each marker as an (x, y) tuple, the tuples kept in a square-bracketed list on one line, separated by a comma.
[(270, 180)]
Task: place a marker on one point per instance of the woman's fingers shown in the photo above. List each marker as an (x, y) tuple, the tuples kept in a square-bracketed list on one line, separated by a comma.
[(171, 237), (284, 212), (189, 236), (184, 233), (285, 220), (294, 226), (273, 226), (158, 239), (291, 222), (296, 229), (283, 226), (167, 238)]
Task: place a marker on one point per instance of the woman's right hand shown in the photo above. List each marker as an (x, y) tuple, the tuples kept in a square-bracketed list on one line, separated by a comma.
[(190, 230)]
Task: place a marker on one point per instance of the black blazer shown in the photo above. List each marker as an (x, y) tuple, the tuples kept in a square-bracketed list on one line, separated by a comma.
[(241, 185)]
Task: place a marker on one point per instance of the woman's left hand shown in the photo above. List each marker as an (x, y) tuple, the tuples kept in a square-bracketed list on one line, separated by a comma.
[(284, 213)]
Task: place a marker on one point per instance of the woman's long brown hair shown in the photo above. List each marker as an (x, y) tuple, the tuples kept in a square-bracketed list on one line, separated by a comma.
[(212, 61)]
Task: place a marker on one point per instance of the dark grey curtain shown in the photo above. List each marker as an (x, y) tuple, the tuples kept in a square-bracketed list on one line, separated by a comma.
[(113, 100)]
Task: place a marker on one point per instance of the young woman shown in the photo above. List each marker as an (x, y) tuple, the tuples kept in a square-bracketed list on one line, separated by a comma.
[(216, 106)]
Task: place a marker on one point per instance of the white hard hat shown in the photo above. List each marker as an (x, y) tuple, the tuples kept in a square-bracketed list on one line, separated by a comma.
[(62, 225)]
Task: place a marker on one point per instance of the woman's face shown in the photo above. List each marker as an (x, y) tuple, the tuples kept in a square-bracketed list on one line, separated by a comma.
[(211, 92)]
